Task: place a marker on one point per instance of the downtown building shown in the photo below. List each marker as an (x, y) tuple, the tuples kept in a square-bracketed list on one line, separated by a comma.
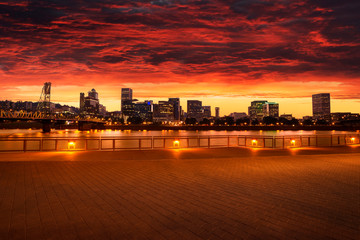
[(321, 106), (127, 103), (195, 110), (90, 105), (260, 109), (163, 112), (177, 108)]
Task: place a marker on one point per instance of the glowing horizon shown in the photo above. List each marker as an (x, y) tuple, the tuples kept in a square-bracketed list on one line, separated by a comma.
[(224, 53)]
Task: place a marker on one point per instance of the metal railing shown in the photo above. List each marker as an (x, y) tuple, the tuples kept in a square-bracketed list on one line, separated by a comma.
[(174, 142)]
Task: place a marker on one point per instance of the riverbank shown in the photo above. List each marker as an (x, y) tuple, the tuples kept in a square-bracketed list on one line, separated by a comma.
[(37, 125)]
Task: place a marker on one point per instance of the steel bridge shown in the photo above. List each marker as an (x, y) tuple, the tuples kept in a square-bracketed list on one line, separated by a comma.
[(46, 119)]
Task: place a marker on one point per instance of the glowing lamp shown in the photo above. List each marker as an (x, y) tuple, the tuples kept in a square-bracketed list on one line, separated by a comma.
[(254, 142), (292, 142), (176, 143), (352, 140), (71, 145)]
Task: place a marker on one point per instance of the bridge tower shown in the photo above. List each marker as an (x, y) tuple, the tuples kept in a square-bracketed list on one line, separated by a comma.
[(44, 101), (44, 106)]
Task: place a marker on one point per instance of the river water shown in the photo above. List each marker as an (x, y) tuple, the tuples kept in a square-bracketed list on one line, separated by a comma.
[(13, 133)]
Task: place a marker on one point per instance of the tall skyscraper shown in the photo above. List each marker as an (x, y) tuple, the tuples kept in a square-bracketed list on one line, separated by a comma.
[(127, 106), (194, 109), (177, 109), (217, 112), (82, 102), (321, 105)]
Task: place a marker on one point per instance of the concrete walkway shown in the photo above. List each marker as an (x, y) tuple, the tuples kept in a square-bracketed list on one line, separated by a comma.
[(181, 194)]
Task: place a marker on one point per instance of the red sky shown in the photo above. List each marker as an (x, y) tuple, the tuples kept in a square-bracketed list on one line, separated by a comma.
[(225, 53)]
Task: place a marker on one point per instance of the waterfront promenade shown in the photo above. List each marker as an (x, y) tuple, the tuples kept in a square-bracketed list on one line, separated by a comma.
[(229, 193)]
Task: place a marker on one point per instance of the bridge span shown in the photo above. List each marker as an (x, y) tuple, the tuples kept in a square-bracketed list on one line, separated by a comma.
[(84, 123)]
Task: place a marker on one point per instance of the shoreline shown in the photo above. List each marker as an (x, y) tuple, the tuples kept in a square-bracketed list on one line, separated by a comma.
[(35, 125)]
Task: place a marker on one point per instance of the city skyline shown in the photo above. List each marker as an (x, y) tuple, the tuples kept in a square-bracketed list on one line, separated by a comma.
[(214, 51), (183, 104)]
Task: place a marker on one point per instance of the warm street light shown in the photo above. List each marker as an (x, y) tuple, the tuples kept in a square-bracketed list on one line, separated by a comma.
[(176, 143), (71, 145)]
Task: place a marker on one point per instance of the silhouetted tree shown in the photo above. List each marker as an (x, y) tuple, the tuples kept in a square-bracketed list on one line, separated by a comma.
[(307, 122), (243, 121), (255, 122), (189, 121), (229, 120), (135, 120), (269, 120), (205, 121)]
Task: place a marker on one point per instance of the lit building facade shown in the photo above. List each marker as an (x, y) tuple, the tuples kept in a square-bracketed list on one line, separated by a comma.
[(89, 105), (271, 109), (194, 109), (256, 109), (321, 106), (144, 110), (177, 108), (207, 112), (127, 103), (163, 112)]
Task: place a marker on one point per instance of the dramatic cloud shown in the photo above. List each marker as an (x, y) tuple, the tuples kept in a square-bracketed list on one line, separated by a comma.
[(186, 47)]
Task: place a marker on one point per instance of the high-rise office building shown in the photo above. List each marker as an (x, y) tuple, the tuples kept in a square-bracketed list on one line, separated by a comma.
[(90, 104), (93, 94), (271, 109), (82, 102), (177, 108), (144, 110), (163, 112), (256, 109), (194, 109), (207, 111), (217, 112), (321, 105), (127, 105)]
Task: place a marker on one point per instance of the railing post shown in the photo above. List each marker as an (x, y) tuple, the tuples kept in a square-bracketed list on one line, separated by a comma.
[(208, 141), (228, 141), (164, 143), (56, 144), (188, 142), (198, 141), (41, 144), (316, 140), (264, 141), (331, 140), (309, 142), (245, 142), (300, 141), (283, 142), (24, 145), (274, 142), (152, 142), (113, 144), (140, 143)]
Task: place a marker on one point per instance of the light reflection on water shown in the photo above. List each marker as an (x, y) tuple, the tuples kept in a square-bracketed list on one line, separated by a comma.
[(130, 133)]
